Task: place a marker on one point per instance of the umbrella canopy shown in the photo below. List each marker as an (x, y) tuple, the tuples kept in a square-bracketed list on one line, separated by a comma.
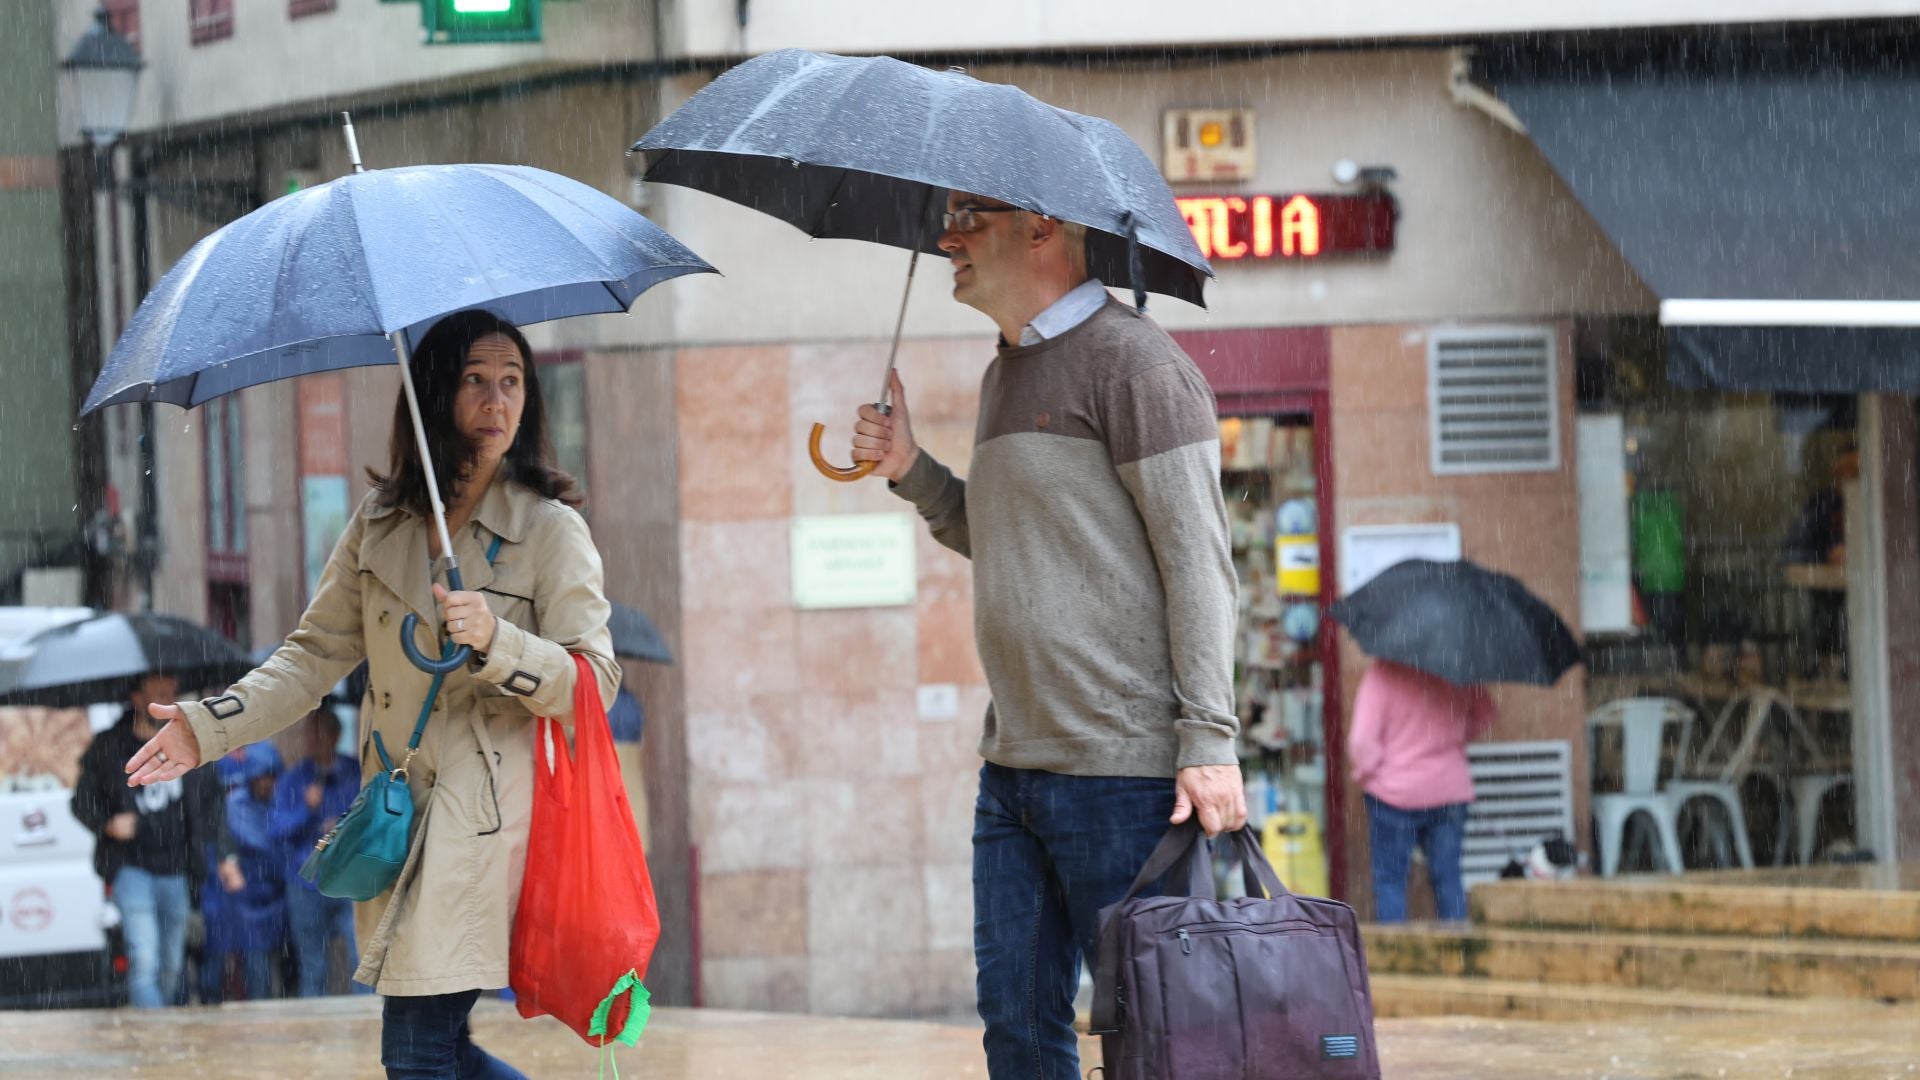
[(102, 659), (1461, 622), (867, 147), (636, 638), (316, 280)]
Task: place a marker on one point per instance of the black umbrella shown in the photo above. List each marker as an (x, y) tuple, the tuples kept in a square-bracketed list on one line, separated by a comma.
[(102, 658), (636, 638), (1461, 622), (867, 148)]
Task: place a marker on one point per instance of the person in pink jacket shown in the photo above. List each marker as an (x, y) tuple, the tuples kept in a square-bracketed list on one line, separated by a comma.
[(1408, 750)]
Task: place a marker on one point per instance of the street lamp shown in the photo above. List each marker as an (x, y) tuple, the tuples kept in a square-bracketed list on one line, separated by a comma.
[(100, 74), (99, 78)]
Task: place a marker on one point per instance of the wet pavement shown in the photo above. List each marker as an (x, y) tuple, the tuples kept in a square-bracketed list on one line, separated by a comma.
[(339, 1037)]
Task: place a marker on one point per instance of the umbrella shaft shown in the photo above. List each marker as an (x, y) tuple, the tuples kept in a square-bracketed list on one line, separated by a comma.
[(899, 324), (403, 354)]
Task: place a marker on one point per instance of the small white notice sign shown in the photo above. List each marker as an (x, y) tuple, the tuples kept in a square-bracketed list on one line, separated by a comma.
[(853, 560), (1365, 550)]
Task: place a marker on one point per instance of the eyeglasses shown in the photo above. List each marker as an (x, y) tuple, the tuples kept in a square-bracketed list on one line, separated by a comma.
[(966, 219)]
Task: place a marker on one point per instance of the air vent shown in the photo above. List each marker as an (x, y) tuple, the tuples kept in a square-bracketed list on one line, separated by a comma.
[(1493, 400)]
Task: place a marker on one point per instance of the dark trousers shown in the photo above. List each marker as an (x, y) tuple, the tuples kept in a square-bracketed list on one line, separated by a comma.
[(1049, 851), (426, 1038)]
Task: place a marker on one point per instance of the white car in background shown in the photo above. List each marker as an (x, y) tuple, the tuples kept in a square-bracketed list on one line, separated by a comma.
[(60, 945)]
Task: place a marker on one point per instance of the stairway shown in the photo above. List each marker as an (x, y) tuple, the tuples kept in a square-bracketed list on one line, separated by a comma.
[(1754, 942)]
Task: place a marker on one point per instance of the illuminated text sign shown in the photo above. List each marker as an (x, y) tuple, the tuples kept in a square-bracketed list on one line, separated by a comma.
[(1232, 227)]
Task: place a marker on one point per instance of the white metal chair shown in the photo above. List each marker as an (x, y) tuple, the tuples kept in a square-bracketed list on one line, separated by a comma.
[(1643, 724), (1733, 750)]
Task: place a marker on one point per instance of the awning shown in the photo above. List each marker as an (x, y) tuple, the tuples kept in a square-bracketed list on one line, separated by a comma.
[(1765, 186)]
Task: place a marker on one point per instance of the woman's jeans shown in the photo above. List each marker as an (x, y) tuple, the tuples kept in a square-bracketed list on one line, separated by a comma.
[(153, 912), (1391, 836), (426, 1038), (314, 921), (1049, 851)]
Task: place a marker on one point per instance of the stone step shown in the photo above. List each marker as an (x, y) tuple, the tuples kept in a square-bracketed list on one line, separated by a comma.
[(1764, 967), (1749, 905), (1423, 995)]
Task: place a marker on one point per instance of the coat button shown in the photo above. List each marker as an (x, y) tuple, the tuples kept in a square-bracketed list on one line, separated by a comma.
[(386, 701), (383, 618)]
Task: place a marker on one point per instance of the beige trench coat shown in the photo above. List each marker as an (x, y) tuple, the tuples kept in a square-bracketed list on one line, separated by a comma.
[(446, 924)]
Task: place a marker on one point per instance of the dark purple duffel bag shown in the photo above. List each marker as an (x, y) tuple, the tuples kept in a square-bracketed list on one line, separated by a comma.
[(1189, 987)]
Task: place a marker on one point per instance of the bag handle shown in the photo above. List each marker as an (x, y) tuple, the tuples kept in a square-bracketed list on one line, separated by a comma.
[(433, 692)]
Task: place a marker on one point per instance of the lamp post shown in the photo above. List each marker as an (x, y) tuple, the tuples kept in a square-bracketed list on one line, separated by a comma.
[(99, 77)]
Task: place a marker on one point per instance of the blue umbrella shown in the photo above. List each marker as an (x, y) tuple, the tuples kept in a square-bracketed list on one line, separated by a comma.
[(354, 272)]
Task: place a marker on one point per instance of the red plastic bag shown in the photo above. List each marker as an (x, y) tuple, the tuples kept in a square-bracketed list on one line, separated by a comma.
[(587, 921)]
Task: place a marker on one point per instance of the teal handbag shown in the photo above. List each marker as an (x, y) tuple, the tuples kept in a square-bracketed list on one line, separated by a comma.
[(361, 856)]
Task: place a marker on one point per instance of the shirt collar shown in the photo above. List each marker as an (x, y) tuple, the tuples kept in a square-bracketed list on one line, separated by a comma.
[(1066, 313)]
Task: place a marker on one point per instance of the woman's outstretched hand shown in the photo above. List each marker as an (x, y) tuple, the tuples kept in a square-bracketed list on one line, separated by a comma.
[(170, 754)]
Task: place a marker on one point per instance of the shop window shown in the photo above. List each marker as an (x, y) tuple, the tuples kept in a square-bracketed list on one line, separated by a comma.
[(1269, 480), (1494, 405), (299, 9), (563, 391), (210, 20), (1716, 576), (226, 491)]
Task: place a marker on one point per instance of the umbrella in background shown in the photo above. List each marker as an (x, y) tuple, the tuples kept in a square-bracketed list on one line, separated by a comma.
[(867, 148), (355, 271), (1461, 622), (636, 638), (102, 658)]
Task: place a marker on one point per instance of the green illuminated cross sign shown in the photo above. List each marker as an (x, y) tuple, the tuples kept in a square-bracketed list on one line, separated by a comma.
[(459, 22)]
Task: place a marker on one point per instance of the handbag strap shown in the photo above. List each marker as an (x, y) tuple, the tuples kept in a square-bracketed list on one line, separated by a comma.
[(433, 692)]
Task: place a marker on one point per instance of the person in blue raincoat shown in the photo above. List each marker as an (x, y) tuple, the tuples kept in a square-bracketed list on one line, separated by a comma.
[(257, 914), (311, 797)]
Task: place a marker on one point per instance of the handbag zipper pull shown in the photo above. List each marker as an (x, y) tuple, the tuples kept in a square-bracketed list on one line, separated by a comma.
[(1186, 943)]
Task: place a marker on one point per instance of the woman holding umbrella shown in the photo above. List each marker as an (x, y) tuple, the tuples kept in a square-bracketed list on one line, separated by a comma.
[(1437, 631), (441, 934)]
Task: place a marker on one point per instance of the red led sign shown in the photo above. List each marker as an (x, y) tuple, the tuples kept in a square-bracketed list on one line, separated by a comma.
[(1233, 227)]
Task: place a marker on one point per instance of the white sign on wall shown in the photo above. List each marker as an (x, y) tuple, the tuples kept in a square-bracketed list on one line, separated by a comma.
[(853, 560), (1365, 550), (1606, 548)]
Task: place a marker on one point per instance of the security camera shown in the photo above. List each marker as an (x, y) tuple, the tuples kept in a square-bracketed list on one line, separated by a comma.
[(1345, 171)]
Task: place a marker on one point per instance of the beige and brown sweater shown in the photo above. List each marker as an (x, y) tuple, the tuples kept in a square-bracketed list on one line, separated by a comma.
[(1103, 582)]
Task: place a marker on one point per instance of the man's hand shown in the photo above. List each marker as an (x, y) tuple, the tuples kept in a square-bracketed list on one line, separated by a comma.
[(231, 879), (887, 439), (469, 620), (172, 753), (122, 826), (1216, 793), (314, 793)]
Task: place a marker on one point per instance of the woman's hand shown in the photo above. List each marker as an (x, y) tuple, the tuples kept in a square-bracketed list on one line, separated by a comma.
[(468, 618), (169, 755)]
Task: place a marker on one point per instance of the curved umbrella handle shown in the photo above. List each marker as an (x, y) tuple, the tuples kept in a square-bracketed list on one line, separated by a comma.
[(456, 655), (830, 470)]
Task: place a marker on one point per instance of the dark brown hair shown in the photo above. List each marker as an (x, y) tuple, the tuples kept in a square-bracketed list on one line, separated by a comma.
[(436, 367)]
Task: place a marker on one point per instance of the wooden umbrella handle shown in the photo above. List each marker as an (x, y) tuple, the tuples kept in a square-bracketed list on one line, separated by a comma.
[(829, 469)]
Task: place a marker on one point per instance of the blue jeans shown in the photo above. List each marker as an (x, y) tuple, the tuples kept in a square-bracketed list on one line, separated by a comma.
[(314, 921), (426, 1038), (1391, 836), (1049, 851), (153, 912)]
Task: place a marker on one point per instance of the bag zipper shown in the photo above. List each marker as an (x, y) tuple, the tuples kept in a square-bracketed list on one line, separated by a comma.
[(1292, 926)]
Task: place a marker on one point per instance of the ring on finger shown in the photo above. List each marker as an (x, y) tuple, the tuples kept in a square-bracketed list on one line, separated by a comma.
[(458, 625), (162, 755)]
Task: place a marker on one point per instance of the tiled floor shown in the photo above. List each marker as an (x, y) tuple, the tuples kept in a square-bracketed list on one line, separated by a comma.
[(339, 1037)]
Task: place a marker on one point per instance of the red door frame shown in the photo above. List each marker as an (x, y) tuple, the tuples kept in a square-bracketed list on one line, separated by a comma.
[(1256, 372)]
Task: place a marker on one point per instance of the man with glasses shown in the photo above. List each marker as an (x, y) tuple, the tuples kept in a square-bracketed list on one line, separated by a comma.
[(1104, 600)]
